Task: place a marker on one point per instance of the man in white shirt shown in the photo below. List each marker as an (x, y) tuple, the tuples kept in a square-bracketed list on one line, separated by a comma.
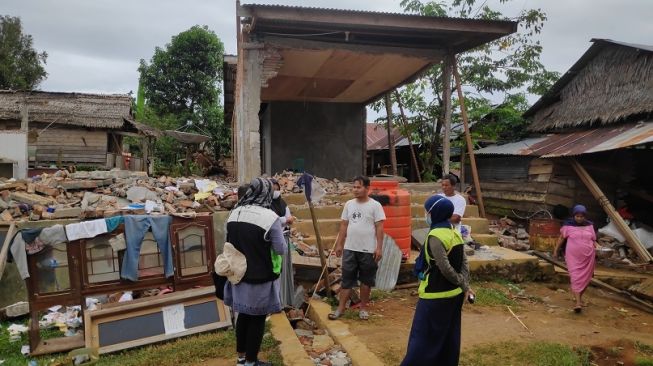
[(459, 203), (360, 243)]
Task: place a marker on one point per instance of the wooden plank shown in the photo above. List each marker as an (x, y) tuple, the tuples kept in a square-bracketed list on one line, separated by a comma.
[(540, 169), (58, 345), (631, 238), (5, 247)]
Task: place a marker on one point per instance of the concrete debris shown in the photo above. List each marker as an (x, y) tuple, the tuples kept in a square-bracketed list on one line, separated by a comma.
[(96, 194), (288, 184), (317, 342), (510, 234)]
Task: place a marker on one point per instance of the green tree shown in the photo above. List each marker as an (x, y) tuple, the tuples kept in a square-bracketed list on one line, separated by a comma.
[(508, 69), (21, 66), (181, 86)]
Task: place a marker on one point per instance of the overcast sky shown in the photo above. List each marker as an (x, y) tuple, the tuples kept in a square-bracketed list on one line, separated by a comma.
[(96, 45)]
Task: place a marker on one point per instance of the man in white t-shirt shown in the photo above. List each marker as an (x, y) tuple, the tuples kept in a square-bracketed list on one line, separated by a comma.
[(360, 243), (459, 203)]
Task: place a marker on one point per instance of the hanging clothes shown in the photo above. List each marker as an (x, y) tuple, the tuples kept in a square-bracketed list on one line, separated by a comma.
[(114, 222), (86, 229), (135, 228)]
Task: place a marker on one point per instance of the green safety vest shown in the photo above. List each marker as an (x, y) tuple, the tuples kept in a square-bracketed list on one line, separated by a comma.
[(435, 285)]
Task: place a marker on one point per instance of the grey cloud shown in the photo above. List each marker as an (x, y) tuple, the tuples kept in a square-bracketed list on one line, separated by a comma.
[(95, 45)]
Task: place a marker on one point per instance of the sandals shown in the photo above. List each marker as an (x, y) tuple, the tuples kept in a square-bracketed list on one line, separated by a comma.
[(364, 315), (578, 309), (334, 315)]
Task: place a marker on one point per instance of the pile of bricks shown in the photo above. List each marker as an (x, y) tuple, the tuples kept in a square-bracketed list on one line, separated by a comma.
[(106, 193)]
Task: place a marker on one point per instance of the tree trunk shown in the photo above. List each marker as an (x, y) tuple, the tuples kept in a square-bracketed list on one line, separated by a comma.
[(410, 142), (391, 140)]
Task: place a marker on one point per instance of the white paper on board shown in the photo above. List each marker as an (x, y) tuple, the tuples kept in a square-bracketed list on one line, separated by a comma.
[(173, 318)]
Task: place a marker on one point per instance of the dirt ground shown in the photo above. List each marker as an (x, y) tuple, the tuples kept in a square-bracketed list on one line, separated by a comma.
[(604, 325)]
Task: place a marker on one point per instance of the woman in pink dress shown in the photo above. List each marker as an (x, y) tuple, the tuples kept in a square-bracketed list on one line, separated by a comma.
[(579, 252)]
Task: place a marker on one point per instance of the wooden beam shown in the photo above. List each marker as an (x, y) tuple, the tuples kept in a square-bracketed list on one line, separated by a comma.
[(130, 134), (632, 239), (446, 99), (391, 140), (468, 139), (433, 55)]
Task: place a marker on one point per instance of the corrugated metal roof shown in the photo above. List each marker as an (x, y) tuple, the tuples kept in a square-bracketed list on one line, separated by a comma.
[(369, 12), (377, 137), (578, 142)]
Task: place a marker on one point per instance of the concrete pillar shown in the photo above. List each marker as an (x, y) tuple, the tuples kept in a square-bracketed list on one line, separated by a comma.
[(246, 111)]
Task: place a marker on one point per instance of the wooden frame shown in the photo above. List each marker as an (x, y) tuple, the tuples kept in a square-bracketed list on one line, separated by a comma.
[(93, 320), (81, 287)]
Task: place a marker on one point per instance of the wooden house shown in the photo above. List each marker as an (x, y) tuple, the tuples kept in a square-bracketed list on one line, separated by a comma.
[(597, 114), (73, 129)]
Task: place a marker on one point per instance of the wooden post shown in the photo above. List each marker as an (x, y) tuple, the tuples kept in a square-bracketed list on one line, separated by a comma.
[(462, 169), (320, 248), (446, 99), (468, 139), (391, 140), (404, 122), (146, 154), (631, 238)]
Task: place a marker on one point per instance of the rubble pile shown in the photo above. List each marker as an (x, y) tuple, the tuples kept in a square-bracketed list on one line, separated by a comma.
[(288, 184), (98, 194), (510, 235), (108, 193), (317, 342)]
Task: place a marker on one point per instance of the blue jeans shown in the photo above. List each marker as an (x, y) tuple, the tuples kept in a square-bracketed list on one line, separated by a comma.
[(135, 228)]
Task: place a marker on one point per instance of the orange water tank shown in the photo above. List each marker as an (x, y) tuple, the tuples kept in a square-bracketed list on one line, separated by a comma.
[(396, 205)]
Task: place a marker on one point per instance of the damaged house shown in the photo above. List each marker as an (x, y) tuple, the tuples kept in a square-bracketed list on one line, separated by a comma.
[(41, 130), (305, 75), (596, 118)]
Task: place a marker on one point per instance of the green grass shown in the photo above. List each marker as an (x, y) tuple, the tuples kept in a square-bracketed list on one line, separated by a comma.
[(183, 351), (535, 354), (645, 354), (487, 296)]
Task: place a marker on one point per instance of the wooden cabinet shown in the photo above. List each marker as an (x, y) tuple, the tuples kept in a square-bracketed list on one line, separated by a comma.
[(67, 273)]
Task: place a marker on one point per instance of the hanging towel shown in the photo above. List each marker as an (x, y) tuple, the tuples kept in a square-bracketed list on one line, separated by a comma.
[(86, 229), (53, 235)]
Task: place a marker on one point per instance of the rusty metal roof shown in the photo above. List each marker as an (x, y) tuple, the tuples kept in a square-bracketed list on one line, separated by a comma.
[(578, 142), (377, 137)]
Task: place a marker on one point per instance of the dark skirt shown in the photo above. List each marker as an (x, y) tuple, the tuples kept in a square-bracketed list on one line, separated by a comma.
[(435, 334)]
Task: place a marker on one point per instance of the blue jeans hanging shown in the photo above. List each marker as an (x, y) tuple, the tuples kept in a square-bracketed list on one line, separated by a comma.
[(135, 228)]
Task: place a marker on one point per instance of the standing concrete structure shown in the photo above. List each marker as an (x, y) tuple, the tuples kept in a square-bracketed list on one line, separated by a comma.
[(305, 75)]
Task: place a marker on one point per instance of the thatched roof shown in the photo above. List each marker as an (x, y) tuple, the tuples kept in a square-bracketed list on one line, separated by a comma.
[(77, 109), (612, 82)]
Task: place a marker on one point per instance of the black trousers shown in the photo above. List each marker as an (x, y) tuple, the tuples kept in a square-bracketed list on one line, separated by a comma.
[(249, 334)]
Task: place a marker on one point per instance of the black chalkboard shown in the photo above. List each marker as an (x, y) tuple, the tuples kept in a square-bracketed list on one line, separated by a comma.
[(150, 325)]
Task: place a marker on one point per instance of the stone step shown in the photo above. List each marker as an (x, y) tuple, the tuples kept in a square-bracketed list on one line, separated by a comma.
[(479, 225), (322, 212), (419, 211), (328, 227), (327, 241), (486, 239)]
